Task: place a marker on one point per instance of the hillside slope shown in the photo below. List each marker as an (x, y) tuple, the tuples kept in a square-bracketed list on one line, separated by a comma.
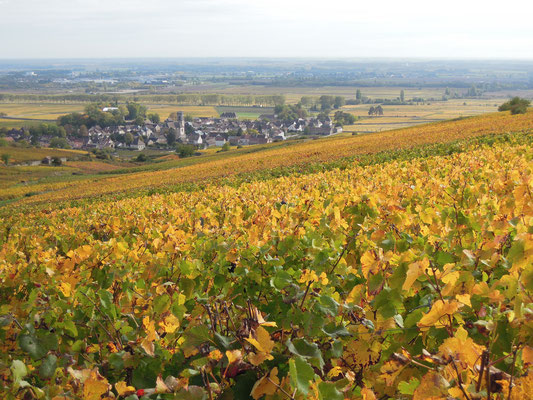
[(400, 279), (322, 150)]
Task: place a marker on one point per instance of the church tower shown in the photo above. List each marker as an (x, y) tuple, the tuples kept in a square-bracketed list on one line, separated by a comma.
[(181, 125)]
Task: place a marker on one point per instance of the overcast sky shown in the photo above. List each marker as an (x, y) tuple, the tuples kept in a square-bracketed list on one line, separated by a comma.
[(268, 28)]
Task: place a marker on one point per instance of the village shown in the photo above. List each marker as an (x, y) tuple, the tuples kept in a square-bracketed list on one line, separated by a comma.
[(202, 132)]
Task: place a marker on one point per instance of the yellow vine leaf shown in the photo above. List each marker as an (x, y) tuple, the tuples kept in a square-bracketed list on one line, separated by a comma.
[(262, 341), (464, 298), (123, 389), (95, 386), (170, 323), (266, 385), (527, 355), (215, 355), (334, 372), (461, 347), (65, 288), (233, 355), (432, 386), (370, 263), (161, 386), (263, 344), (438, 310), (414, 271)]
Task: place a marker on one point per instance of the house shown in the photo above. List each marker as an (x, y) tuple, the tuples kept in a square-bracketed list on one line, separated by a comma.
[(210, 141), (195, 139), (162, 141), (138, 144), (75, 143), (259, 139), (228, 115), (234, 140), (220, 141), (323, 130)]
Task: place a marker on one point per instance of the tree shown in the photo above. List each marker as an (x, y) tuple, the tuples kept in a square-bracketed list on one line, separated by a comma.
[(379, 110), (154, 117), (83, 132), (372, 110), (358, 95), (322, 117), (171, 137), (128, 138), (516, 105), (402, 96), (5, 158), (136, 110), (326, 102), (189, 129), (59, 143), (341, 118), (339, 102), (473, 91), (307, 101), (185, 150)]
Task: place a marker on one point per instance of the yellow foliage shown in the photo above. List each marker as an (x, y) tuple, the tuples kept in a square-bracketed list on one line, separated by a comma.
[(267, 385), (438, 315)]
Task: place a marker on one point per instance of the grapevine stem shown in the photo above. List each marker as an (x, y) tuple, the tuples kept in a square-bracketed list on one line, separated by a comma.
[(305, 294), (280, 388)]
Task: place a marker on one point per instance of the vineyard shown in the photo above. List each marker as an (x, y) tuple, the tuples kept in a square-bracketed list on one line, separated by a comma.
[(404, 274), (318, 151)]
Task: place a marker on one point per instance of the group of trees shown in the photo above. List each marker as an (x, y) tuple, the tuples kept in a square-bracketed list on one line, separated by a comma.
[(58, 134), (375, 110), (516, 105), (327, 103), (359, 99), (342, 118), (290, 112), (323, 103), (77, 123)]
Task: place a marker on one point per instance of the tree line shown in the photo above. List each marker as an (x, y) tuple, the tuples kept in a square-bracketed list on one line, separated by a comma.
[(183, 99)]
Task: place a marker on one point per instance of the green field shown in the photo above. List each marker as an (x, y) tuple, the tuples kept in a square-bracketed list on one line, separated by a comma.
[(246, 112)]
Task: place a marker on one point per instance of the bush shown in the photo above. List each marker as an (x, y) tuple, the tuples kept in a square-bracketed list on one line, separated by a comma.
[(516, 105), (5, 158), (141, 158), (225, 147), (185, 150)]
